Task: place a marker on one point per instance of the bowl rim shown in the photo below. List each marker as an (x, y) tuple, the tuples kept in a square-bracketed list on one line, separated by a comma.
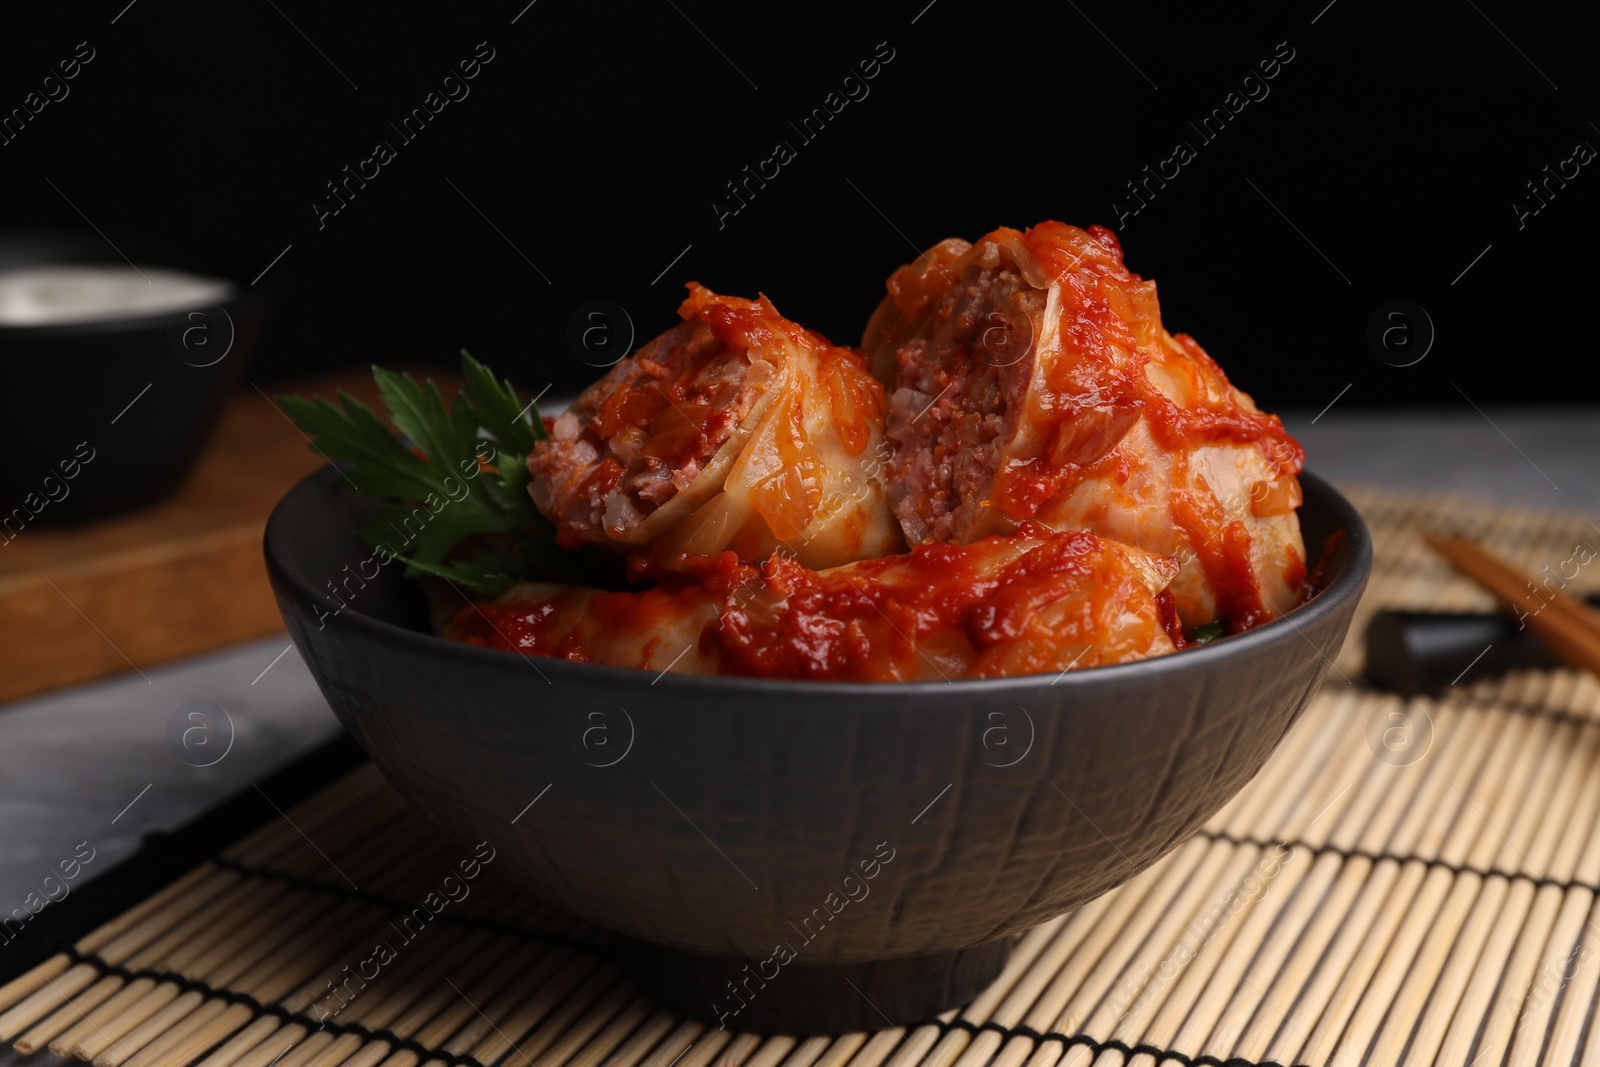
[(1347, 583)]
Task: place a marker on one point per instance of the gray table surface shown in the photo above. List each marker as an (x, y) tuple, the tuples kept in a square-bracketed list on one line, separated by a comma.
[(104, 763)]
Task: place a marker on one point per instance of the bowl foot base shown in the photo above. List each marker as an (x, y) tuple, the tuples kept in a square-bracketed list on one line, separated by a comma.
[(808, 998)]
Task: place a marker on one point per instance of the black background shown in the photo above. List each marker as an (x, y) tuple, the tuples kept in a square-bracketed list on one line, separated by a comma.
[(1390, 148)]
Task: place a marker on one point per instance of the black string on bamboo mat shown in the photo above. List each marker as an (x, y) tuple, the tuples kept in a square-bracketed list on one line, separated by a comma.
[(1094, 1045), (283, 1015), (1378, 857), (598, 948)]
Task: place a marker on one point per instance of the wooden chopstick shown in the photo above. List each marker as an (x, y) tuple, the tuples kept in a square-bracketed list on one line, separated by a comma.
[(1569, 627)]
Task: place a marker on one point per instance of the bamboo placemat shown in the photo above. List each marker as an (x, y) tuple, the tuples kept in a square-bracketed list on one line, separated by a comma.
[(1404, 882)]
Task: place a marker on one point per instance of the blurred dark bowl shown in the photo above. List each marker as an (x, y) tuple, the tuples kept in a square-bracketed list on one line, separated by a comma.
[(714, 817), (68, 387)]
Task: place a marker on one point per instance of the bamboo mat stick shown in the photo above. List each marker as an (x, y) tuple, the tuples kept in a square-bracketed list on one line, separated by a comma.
[(251, 1037), (273, 834), (876, 1048), (1530, 1017), (684, 1035), (1465, 984), (706, 1047), (443, 1009), (1435, 899), (1351, 957), (1168, 909), (805, 1054), (126, 995), (1584, 1009), (51, 992), (280, 973), (1572, 928), (1035, 957), (1078, 988), (319, 1049), (1007, 1003), (770, 1053), (657, 1030), (1136, 978), (1129, 973), (1094, 926), (619, 1033), (1316, 963), (144, 1020), (204, 927), (300, 840), (1451, 949), (1313, 968), (1381, 903), (216, 1020), (1559, 1031), (739, 1050), (91, 998), (843, 1050), (107, 1038), (566, 1042), (401, 858), (413, 1023), (1196, 990), (320, 854), (1498, 1029), (268, 1043), (513, 1013), (1500, 1022), (26, 984), (1218, 976), (349, 860), (429, 994), (318, 985), (55, 993), (1398, 787), (416, 976), (300, 954), (30, 982), (586, 1010), (428, 979), (1039, 954), (156, 924), (248, 942), (75, 1012), (162, 1050), (1191, 954)]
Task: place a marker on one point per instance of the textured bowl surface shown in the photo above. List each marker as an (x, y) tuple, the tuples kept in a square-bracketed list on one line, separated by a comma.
[(726, 816)]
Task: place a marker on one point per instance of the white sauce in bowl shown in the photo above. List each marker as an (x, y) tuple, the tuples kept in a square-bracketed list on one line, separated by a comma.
[(58, 294)]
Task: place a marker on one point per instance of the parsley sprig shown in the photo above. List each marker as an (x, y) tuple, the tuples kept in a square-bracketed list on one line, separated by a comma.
[(467, 477)]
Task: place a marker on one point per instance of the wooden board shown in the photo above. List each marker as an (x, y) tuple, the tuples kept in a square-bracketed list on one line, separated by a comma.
[(177, 578)]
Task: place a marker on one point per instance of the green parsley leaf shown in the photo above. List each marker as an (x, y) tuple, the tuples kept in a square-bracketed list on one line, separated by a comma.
[(496, 407), (1209, 632), (470, 480)]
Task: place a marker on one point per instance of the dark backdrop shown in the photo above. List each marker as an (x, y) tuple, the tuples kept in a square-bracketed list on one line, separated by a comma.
[(1377, 164)]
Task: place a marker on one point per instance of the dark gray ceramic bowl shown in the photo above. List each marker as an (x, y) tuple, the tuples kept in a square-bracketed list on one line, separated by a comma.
[(729, 826), (146, 389)]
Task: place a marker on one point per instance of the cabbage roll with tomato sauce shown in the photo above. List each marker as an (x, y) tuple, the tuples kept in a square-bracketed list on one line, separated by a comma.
[(734, 430), (1029, 602), (1030, 378)]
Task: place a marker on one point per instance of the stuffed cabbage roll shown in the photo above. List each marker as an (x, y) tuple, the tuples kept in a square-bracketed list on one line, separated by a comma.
[(1030, 377), (734, 430), (1033, 601)]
